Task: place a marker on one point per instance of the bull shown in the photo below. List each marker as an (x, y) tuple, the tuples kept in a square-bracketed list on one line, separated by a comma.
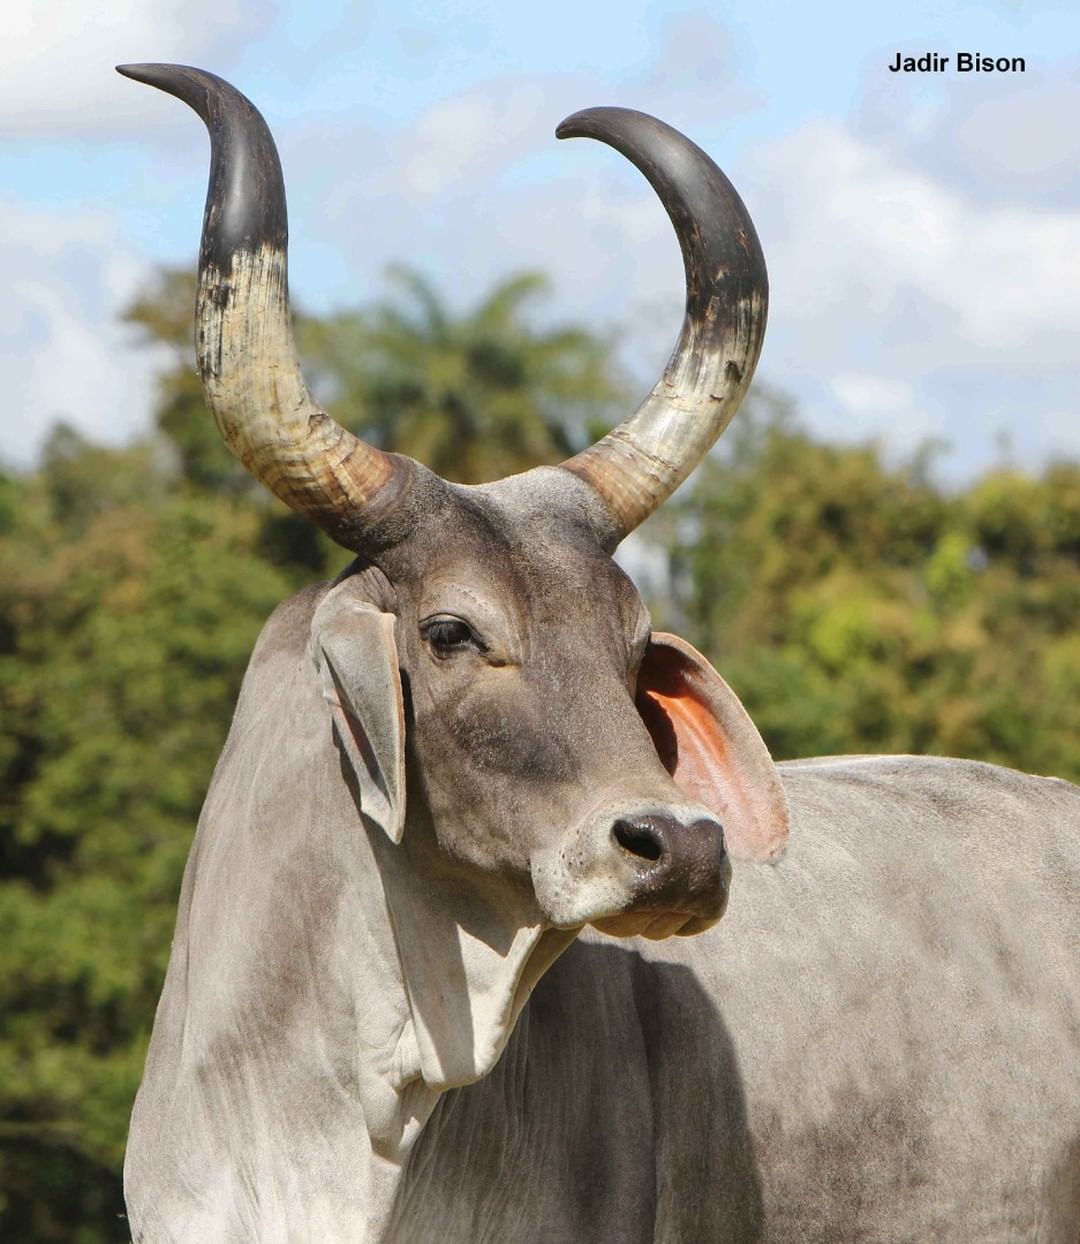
[(432, 978)]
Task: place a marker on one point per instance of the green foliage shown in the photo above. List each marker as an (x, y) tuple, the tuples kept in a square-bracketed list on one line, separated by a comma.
[(123, 643), (854, 606), (475, 397)]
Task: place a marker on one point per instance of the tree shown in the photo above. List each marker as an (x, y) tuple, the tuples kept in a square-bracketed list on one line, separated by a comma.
[(475, 396), (858, 607)]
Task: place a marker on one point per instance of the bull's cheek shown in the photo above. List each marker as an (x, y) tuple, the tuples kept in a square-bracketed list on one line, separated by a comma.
[(495, 727), (496, 789)]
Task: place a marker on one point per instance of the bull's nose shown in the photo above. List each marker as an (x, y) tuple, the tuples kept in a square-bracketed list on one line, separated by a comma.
[(646, 838), (684, 866)]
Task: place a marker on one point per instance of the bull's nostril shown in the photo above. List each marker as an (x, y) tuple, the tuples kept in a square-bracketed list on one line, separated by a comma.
[(638, 839)]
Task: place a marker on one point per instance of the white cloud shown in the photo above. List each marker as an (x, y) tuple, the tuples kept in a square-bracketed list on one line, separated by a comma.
[(846, 223), (964, 315), (862, 406), (1027, 136), (69, 275), (1056, 433), (466, 137), (57, 56), (990, 140), (861, 393)]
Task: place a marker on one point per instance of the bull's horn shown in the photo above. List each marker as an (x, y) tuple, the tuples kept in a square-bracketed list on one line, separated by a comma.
[(639, 464), (247, 357)]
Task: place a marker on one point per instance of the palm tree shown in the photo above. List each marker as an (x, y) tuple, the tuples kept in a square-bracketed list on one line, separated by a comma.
[(474, 396)]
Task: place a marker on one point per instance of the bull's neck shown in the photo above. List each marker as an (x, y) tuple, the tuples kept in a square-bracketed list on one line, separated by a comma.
[(325, 1008), (467, 959)]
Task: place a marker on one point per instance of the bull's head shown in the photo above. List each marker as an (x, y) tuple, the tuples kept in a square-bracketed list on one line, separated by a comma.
[(486, 664)]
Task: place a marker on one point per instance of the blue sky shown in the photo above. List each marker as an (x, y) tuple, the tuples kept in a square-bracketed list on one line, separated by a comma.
[(922, 231)]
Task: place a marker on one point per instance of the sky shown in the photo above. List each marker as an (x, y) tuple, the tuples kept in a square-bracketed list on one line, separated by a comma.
[(922, 230)]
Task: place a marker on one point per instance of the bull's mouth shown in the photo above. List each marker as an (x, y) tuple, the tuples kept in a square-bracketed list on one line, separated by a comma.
[(654, 872), (657, 925)]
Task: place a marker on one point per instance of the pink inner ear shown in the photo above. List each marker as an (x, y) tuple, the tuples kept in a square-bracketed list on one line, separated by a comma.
[(711, 748), (686, 734)]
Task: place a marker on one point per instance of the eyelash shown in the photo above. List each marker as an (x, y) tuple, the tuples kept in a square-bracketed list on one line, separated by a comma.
[(447, 635)]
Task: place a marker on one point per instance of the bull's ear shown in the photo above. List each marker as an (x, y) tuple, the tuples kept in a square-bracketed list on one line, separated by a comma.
[(711, 748), (353, 646)]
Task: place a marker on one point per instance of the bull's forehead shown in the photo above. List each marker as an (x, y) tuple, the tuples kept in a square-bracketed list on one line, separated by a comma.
[(523, 554), (535, 596)]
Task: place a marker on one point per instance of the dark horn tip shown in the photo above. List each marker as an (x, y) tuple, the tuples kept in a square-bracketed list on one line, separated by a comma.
[(135, 71), (187, 84), (246, 197), (568, 127), (713, 226), (163, 76), (198, 88), (598, 122)]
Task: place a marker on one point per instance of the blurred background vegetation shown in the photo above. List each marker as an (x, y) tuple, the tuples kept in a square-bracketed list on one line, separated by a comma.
[(853, 603)]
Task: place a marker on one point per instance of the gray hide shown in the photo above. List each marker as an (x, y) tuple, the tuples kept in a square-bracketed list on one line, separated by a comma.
[(392, 1015), (880, 1041)]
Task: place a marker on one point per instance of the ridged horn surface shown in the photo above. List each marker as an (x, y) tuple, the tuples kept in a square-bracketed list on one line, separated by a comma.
[(246, 353), (640, 463)]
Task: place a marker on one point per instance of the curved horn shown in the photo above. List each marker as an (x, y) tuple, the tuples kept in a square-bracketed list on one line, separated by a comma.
[(639, 464), (247, 357)]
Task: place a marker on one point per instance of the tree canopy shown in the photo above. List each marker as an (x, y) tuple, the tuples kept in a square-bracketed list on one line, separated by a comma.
[(474, 396), (853, 603), (857, 607)]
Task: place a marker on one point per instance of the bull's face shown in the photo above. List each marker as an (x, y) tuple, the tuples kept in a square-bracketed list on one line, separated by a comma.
[(521, 664), (550, 739), (490, 668)]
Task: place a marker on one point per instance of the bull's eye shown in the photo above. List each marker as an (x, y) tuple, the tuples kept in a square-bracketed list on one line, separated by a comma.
[(449, 635)]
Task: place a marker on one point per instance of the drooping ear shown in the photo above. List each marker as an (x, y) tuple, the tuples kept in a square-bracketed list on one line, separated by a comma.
[(353, 645), (712, 749)]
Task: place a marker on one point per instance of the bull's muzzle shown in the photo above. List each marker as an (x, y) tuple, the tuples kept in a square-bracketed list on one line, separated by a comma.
[(682, 875), (648, 873)]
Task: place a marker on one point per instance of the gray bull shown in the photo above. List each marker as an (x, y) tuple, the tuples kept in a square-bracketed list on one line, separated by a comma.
[(388, 1015)]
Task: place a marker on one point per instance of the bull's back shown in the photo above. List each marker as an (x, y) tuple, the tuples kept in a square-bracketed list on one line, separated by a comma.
[(880, 1042)]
